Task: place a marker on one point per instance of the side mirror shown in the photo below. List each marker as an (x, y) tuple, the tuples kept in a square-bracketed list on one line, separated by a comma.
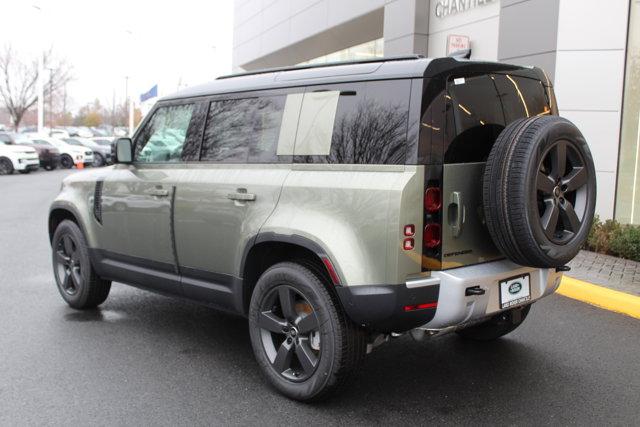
[(124, 149)]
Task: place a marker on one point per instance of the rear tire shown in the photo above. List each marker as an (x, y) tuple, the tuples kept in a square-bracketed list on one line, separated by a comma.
[(497, 326), (66, 161), (75, 277), (301, 338)]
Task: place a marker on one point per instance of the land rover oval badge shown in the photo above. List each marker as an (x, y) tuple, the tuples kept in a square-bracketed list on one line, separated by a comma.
[(515, 287)]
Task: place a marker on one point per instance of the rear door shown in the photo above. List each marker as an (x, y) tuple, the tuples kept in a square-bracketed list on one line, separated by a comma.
[(478, 108), (222, 202)]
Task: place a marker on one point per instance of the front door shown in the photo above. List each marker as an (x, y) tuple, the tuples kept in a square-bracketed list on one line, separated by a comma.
[(137, 203)]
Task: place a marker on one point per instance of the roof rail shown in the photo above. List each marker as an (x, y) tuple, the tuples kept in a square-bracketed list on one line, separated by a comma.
[(326, 64)]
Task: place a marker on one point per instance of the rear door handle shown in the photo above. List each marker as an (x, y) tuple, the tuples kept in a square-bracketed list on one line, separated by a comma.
[(242, 195), (456, 213)]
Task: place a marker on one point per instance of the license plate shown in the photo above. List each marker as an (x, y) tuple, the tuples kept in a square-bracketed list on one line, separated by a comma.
[(514, 291)]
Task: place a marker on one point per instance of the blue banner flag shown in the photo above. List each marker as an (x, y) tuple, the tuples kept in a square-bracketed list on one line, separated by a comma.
[(151, 93)]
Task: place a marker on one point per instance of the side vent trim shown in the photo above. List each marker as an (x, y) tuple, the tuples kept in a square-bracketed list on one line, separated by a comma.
[(97, 201)]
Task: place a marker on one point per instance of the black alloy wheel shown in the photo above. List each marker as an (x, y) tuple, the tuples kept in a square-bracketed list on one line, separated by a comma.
[(66, 161), (290, 333), (68, 268), (562, 191), (78, 283), (6, 167), (302, 340)]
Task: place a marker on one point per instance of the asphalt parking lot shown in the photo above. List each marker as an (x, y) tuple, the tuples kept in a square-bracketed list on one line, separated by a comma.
[(148, 359)]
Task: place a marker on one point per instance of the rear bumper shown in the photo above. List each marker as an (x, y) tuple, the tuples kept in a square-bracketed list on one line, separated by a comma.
[(440, 302), (456, 309), (390, 308)]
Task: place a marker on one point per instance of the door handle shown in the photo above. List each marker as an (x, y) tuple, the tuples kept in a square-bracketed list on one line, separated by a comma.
[(456, 213), (159, 192), (242, 195)]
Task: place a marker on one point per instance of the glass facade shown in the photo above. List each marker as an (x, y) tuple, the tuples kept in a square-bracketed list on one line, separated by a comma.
[(372, 49), (628, 191)]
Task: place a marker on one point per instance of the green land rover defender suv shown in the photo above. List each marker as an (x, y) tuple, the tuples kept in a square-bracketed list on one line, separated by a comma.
[(337, 205)]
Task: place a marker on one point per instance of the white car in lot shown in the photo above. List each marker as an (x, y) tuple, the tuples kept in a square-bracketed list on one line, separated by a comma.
[(17, 158), (70, 154)]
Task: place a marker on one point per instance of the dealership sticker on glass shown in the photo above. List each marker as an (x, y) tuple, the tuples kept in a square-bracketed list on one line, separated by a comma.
[(514, 291)]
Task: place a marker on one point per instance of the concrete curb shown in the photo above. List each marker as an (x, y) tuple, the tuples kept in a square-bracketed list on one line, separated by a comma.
[(599, 296)]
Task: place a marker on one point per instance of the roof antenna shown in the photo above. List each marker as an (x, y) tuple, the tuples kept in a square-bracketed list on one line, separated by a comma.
[(461, 54)]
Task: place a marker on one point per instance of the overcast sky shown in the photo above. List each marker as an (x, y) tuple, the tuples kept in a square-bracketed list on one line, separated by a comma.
[(165, 42)]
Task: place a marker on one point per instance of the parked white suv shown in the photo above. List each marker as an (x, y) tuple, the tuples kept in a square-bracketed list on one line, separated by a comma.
[(70, 155), (17, 157)]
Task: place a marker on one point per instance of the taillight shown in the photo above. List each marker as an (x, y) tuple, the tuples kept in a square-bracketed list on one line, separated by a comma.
[(432, 199), (432, 220), (432, 235)]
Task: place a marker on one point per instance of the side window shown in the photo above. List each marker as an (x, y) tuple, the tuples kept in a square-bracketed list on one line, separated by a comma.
[(474, 119), (521, 96), (359, 123), (163, 137), (243, 130)]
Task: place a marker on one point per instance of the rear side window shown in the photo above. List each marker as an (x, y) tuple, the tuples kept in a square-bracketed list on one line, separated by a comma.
[(479, 107), (243, 130), (521, 97), (357, 123), (475, 112), (163, 137)]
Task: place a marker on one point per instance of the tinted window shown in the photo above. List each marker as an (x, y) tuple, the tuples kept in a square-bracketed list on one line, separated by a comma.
[(366, 123), (243, 130), (475, 117), (163, 137), (521, 97)]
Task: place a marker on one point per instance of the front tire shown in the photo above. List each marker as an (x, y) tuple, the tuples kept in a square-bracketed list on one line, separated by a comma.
[(98, 160), (302, 340), (77, 281), (66, 161), (498, 326), (6, 167)]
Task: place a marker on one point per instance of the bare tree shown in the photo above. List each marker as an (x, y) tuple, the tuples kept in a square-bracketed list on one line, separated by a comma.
[(18, 81)]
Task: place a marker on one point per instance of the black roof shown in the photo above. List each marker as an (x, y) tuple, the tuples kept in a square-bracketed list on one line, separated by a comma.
[(413, 66)]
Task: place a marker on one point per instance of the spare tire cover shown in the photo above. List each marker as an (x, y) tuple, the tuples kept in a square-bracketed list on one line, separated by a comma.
[(539, 191)]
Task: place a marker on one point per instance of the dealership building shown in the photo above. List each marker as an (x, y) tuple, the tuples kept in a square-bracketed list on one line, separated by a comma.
[(590, 49)]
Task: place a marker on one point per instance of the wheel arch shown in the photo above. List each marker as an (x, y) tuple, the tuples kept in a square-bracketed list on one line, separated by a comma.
[(59, 213), (268, 249)]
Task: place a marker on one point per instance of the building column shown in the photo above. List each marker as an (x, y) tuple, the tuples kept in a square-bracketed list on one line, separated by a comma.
[(406, 26), (529, 33)]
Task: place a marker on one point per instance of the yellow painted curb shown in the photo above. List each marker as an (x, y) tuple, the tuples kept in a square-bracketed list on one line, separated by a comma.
[(600, 296)]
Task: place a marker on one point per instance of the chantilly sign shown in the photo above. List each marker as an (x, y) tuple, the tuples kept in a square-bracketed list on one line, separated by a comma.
[(451, 7)]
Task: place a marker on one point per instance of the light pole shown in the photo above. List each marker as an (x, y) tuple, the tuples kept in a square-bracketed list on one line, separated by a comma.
[(130, 101), (40, 82), (50, 98)]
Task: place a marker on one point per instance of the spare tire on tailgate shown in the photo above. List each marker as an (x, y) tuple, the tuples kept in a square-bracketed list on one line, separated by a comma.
[(539, 191)]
